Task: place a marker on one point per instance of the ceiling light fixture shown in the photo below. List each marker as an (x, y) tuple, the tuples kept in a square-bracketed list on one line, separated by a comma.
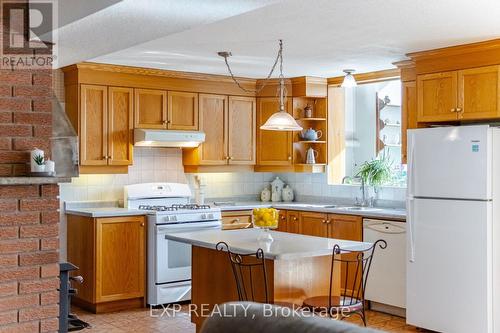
[(281, 120), (349, 80)]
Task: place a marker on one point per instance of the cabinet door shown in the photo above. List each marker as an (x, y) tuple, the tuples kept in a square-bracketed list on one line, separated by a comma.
[(282, 222), (273, 147), (345, 227), (213, 121), (437, 97), (350, 228), (293, 221), (479, 93), (182, 110), (241, 130), (408, 114), (120, 257), (120, 125), (93, 125), (313, 224), (150, 108)]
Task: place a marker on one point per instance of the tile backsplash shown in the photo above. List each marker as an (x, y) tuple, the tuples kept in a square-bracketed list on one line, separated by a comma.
[(150, 165)]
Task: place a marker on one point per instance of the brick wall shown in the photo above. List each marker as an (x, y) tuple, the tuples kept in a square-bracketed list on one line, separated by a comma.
[(29, 256), (25, 117), (29, 217)]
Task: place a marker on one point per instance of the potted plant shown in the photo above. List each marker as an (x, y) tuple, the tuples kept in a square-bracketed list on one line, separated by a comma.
[(376, 172), (39, 163)]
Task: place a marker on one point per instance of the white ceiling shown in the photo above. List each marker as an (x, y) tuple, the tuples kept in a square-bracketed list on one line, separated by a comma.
[(91, 28), (321, 37)]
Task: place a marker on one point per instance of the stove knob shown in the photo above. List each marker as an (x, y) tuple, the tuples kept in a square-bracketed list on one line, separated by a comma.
[(167, 218), (203, 216), (210, 216), (174, 218)]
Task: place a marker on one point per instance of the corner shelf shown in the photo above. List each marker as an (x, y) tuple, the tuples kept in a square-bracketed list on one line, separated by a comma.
[(392, 125), (310, 119), (314, 142)]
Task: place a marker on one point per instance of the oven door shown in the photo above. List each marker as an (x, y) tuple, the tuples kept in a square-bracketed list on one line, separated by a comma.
[(173, 259)]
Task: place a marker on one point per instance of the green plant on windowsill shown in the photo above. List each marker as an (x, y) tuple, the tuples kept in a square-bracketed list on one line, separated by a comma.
[(376, 172)]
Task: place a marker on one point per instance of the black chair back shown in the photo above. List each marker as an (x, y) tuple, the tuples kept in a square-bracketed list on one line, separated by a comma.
[(249, 272), (355, 268)]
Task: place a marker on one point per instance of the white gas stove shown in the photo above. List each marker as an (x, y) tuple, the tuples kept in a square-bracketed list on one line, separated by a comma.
[(169, 211)]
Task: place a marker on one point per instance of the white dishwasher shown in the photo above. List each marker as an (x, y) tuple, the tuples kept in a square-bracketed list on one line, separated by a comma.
[(386, 285)]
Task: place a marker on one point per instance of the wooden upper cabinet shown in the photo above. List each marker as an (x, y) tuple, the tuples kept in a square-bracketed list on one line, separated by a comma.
[(182, 110), (213, 115), (150, 108), (93, 125), (479, 93), (437, 97), (120, 127), (313, 224), (120, 253), (347, 227), (241, 122), (273, 147), (408, 114)]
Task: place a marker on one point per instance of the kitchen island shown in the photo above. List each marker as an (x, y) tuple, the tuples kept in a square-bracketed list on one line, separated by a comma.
[(298, 266)]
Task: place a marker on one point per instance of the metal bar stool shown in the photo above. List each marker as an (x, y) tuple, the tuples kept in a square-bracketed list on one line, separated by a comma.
[(249, 272), (355, 267)]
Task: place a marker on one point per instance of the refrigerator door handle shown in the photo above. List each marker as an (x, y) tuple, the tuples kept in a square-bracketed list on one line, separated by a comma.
[(411, 229), (410, 200)]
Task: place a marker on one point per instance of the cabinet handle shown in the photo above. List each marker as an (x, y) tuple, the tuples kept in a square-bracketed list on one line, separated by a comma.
[(459, 109), (230, 157), (295, 219), (453, 110), (142, 224), (235, 220), (289, 158), (324, 221)]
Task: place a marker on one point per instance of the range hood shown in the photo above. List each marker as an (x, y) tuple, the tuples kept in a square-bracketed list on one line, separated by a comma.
[(167, 138)]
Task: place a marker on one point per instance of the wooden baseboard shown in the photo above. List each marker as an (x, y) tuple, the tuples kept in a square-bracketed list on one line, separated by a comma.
[(105, 307)]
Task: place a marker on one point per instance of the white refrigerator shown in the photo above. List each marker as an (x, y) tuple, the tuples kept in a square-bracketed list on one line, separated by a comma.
[(453, 234)]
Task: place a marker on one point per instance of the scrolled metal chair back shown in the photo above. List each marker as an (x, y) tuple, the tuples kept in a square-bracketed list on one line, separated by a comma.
[(245, 268), (356, 263)]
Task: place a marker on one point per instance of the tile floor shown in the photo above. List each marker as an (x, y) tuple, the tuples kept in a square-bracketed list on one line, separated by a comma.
[(140, 320)]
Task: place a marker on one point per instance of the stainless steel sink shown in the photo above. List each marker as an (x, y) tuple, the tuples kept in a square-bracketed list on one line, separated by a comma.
[(358, 208), (334, 206)]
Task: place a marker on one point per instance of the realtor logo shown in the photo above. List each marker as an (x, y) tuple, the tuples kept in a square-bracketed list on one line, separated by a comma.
[(28, 33)]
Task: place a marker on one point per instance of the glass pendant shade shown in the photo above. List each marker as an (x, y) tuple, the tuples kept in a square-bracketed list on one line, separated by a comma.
[(349, 80), (281, 121)]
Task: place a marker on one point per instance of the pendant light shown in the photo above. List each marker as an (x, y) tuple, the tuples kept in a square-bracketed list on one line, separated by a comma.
[(349, 80), (281, 120)]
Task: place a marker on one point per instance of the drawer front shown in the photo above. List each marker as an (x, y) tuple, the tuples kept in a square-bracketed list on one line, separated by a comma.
[(236, 220)]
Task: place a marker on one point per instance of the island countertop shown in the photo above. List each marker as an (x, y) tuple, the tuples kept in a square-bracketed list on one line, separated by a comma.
[(285, 245)]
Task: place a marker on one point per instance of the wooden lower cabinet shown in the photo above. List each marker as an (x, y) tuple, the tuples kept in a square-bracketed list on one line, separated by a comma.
[(110, 253), (289, 221), (238, 219), (313, 224)]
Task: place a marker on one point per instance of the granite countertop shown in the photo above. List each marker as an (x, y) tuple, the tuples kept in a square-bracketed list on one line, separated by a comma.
[(284, 246), (33, 180), (111, 208), (105, 212), (99, 209), (375, 212)]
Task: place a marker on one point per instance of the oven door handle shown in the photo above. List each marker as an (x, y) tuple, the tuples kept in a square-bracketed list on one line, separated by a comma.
[(189, 226)]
